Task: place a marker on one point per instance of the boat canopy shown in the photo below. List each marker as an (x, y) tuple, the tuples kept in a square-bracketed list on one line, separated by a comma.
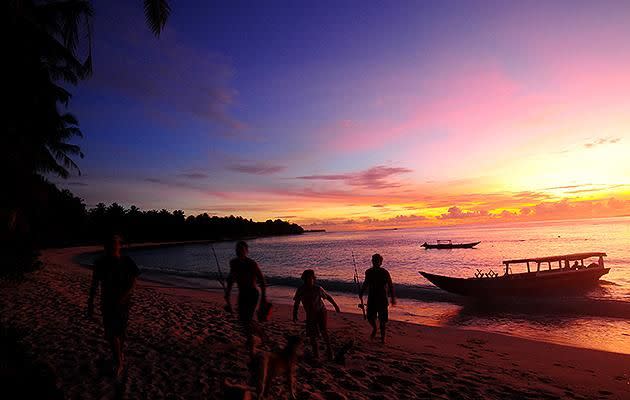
[(566, 257)]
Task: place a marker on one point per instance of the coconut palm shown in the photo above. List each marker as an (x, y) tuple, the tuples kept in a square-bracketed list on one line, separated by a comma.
[(51, 43)]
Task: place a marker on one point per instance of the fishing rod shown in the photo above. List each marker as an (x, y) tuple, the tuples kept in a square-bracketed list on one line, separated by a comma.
[(356, 280), (220, 277)]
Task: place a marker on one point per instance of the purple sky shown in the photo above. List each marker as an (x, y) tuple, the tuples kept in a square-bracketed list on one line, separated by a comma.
[(356, 114)]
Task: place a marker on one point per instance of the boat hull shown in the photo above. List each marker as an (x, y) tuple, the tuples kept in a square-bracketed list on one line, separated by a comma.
[(443, 246), (551, 282)]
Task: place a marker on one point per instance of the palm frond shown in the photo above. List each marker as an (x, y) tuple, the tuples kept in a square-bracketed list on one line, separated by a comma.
[(66, 18), (69, 119), (156, 13)]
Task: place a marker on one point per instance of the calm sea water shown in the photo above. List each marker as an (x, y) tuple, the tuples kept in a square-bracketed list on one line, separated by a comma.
[(601, 319)]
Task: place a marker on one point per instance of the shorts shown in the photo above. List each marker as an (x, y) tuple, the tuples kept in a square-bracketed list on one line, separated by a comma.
[(317, 323), (115, 321), (380, 310), (247, 302)]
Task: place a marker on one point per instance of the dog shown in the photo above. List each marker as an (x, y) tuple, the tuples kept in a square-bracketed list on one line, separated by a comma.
[(266, 365)]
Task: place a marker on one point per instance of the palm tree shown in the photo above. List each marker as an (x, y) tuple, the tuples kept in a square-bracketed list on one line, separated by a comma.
[(49, 44), (52, 42)]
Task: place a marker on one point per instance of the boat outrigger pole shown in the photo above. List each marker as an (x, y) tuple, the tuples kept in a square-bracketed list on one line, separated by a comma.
[(356, 280)]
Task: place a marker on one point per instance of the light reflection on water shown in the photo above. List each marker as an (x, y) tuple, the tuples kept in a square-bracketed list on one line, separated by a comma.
[(330, 254)]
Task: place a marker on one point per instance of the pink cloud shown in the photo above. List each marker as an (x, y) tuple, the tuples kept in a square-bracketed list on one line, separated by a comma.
[(373, 178), (457, 213), (601, 141), (258, 168)]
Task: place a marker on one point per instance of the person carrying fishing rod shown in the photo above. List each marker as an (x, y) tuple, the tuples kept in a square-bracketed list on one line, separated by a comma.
[(378, 283)]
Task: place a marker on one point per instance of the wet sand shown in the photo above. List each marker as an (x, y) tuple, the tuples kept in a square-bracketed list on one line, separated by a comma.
[(181, 344)]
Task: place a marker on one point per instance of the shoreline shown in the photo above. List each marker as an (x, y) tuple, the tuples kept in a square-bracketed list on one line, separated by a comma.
[(433, 307), (182, 343)]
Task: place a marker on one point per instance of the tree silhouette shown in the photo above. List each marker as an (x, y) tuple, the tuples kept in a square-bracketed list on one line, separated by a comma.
[(49, 45)]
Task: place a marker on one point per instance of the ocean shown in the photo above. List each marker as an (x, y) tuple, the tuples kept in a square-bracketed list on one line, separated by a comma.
[(600, 319)]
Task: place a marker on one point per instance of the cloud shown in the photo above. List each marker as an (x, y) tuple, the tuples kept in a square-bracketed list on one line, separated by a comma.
[(563, 187), (259, 168), (372, 178), (194, 175), (76, 183), (586, 188), (457, 213), (601, 141), (399, 221), (378, 205)]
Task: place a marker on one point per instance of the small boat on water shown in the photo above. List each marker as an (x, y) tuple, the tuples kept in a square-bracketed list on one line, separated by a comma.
[(565, 278), (447, 244)]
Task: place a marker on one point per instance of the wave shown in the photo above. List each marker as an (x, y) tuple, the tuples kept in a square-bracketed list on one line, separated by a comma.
[(414, 292), (571, 306)]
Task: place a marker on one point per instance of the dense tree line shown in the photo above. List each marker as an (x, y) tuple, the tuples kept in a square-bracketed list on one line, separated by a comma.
[(141, 226), (59, 218)]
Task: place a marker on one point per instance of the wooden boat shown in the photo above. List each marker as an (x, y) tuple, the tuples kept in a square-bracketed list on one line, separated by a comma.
[(447, 244), (566, 278)]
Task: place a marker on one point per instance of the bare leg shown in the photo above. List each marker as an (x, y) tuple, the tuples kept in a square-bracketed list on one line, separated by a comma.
[(383, 331), (291, 381), (262, 379), (373, 324), (118, 355), (249, 335), (268, 379)]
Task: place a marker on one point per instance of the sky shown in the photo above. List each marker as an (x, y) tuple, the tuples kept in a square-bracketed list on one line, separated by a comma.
[(349, 115)]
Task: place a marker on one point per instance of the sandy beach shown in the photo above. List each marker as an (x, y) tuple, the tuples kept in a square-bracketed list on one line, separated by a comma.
[(182, 344)]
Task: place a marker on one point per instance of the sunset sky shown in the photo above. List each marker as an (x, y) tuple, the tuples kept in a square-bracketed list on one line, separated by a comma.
[(345, 115)]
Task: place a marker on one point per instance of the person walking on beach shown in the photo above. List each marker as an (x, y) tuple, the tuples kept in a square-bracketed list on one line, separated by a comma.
[(116, 274), (378, 282), (312, 297), (247, 275)]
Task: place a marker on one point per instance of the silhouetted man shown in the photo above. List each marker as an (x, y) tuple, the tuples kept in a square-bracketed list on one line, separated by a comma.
[(378, 282), (247, 275), (117, 277)]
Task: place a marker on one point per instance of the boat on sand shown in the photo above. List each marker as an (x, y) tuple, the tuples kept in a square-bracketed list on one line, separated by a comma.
[(559, 276)]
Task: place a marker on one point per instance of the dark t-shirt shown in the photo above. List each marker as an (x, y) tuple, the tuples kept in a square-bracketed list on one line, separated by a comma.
[(116, 275), (244, 272), (378, 280)]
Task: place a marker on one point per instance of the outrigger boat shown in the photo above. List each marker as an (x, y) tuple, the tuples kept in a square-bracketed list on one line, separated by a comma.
[(447, 244), (565, 278)]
